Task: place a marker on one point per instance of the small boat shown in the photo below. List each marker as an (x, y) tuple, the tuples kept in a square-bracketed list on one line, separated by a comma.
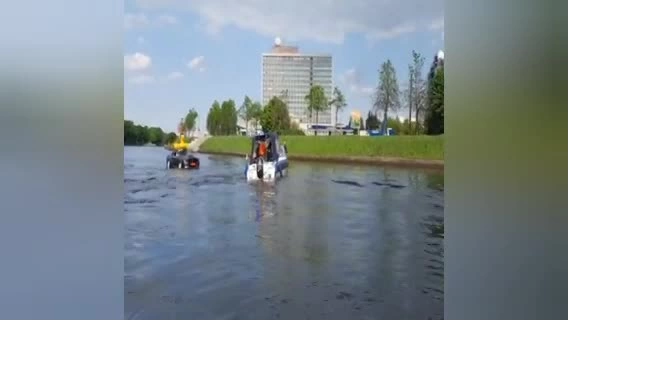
[(180, 158), (267, 158)]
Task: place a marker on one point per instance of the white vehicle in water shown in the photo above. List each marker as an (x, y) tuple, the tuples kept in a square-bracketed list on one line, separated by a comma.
[(267, 158)]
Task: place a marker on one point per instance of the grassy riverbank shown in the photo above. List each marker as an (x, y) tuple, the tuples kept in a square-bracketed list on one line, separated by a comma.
[(380, 149)]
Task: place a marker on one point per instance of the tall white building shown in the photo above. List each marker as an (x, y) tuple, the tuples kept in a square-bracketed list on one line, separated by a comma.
[(289, 75)]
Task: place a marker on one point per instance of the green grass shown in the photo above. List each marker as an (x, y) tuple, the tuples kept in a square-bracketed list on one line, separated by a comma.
[(408, 147)]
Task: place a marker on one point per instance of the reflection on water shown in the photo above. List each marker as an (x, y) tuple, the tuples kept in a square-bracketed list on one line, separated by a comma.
[(327, 241)]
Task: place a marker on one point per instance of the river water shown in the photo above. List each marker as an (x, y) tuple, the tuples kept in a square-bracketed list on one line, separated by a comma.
[(324, 242)]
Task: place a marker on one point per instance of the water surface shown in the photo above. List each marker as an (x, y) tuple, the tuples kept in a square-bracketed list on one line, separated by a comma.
[(325, 242)]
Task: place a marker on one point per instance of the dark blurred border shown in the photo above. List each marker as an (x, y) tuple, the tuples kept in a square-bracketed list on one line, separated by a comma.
[(506, 160), (61, 108)]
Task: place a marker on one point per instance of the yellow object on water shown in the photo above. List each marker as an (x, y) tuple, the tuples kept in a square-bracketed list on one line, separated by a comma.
[(181, 144)]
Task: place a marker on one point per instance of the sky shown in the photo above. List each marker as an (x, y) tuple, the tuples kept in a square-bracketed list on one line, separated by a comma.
[(186, 54)]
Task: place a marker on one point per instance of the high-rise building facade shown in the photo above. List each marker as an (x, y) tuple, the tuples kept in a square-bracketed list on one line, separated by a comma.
[(289, 75)]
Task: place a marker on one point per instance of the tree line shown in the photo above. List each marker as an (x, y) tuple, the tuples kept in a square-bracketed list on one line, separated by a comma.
[(138, 135), (423, 97), (222, 118)]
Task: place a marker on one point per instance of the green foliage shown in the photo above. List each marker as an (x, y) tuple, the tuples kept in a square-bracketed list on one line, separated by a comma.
[(137, 135), (402, 127), (213, 119), (409, 147), (398, 127), (415, 128), (275, 116), (338, 101), (372, 122), (255, 112), (228, 118), (156, 135), (387, 92), (190, 121), (222, 119), (170, 138), (415, 93), (291, 131), (316, 100), (250, 111), (435, 115), (243, 111)]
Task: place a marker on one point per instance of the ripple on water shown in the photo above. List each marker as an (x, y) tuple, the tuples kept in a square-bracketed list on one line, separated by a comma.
[(139, 201), (336, 242)]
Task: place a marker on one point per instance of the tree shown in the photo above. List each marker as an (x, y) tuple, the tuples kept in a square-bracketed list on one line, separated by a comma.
[(190, 121), (419, 93), (415, 94), (129, 132), (435, 114), (140, 135), (228, 118), (155, 135), (387, 93), (407, 128), (338, 101), (284, 96), (213, 119), (316, 100), (243, 111), (396, 125), (408, 92), (372, 122), (255, 113), (170, 138), (249, 111), (275, 116)]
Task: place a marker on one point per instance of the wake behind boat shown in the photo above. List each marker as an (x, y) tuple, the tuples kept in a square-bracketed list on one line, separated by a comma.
[(267, 158)]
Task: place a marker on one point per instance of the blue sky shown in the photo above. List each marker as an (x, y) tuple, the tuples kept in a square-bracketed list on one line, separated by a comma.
[(185, 54)]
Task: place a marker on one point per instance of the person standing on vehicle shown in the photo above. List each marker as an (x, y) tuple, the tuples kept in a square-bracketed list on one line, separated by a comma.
[(262, 149)]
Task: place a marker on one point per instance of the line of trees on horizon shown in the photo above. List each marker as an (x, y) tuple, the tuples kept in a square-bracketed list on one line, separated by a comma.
[(138, 135), (222, 118)]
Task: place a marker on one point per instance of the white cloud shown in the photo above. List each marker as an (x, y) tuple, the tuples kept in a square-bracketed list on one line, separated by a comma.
[(174, 76), (438, 24), (141, 20), (352, 81), (197, 64), (141, 79), (318, 20), (137, 62)]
